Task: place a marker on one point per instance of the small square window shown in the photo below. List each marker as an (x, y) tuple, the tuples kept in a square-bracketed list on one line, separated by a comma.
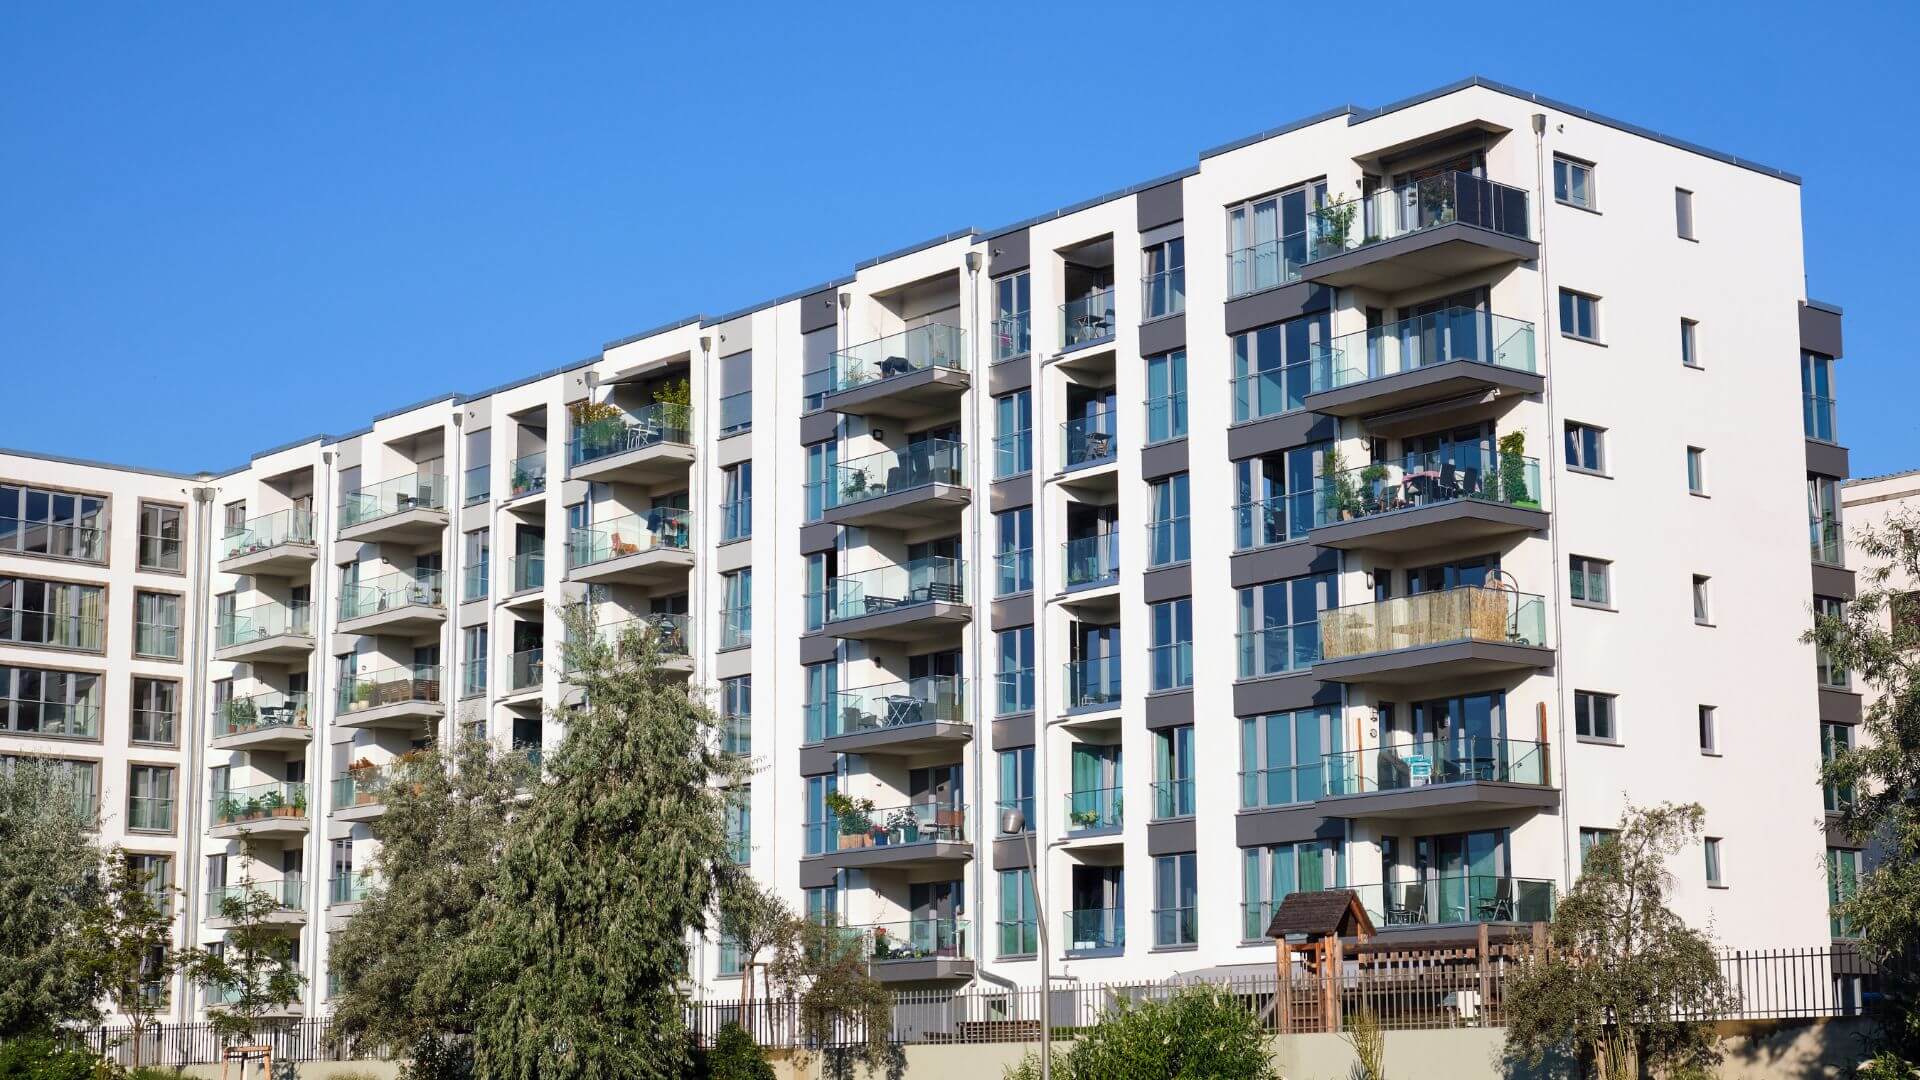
[(1573, 182), (1690, 343), (1586, 447), (1709, 732), (1696, 470), (1579, 315), (1683, 213), (1714, 879), (1702, 610), (1592, 838), (1593, 716), (1591, 580)]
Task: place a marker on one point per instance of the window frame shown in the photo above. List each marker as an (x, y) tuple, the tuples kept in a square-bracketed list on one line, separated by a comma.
[(1702, 600), (1586, 701), (1185, 885), (1716, 867), (1690, 344), (1570, 301), (1175, 491), (1581, 571), (1591, 200), (1573, 429), (1709, 717), (1684, 221), (1174, 616), (1697, 471)]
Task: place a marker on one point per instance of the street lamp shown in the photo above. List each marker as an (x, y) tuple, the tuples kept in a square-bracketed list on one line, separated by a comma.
[(1012, 820)]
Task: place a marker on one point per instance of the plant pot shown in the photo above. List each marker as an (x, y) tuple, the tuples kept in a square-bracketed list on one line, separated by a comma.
[(854, 840)]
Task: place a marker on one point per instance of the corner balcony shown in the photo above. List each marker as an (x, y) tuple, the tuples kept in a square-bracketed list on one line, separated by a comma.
[(405, 602), (276, 633), (1462, 900), (925, 600), (407, 508), (914, 374), (649, 549), (650, 446), (288, 896), (1448, 774), (273, 810), (917, 950), (1424, 500), (279, 544), (917, 487), (1419, 234), (406, 698), (269, 721), (357, 794), (1429, 637), (918, 716), (920, 836), (1447, 355)]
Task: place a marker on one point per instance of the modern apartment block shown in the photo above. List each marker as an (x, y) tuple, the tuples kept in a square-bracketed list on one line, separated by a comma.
[(1384, 502)]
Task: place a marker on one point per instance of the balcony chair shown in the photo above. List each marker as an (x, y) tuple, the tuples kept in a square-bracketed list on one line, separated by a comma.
[(1412, 909), (1499, 906)]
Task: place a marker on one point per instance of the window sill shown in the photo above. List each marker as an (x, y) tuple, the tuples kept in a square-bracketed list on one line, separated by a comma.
[(52, 557), (1168, 441), (1589, 472), (1718, 887), (1591, 741), (1703, 622), (735, 647), (1013, 958), (1688, 239), (83, 739), (1591, 606), (1010, 359), (1015, 594), (1692, 367), (1164, 820), (734, 540), (1699, 494), (1013, 475), (1711, 753), (1583, 340), (1171, 691), (1162, 317), (1195, 947), (161, 570), (1577, 206), (1175, 564)]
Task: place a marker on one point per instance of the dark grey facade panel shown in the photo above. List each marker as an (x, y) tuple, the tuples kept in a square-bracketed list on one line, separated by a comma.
[(1168, 583), (1839, 706), (819, 311), (819, 427), (1276, 433), (820, 536), (1163, 459), (1820, 330), (1013, 611), (1012, 732), (1833, 581), (1281, 693), (1010, 853), (1158, 206), (1283, 825), (1163, 335), (1009, 375), (816, 874), (1170, 837), (1826, 459), (1169, 710), (1007, 253), (818, 648), (817, 761), (1011, 493), (1276, 305), (1280, 562)]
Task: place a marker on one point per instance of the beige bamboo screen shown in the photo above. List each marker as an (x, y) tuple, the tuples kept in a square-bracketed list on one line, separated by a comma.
[(1408, 622)]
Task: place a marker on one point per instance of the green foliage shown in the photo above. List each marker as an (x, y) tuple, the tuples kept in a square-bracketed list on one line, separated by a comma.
[(126, 944), (1369, 1042), (735, 1056), (755, 919), (48, 866), (1513, 468), (43, 1059), (1200, 1033), (254, 969), (1888, 1066), (821, 968), (1622, 967)]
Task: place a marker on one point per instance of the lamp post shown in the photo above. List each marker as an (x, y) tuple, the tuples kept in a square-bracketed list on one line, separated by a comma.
[(1012, 820)]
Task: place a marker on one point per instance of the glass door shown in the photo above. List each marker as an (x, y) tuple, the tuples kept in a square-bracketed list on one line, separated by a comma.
[(1462, 871)]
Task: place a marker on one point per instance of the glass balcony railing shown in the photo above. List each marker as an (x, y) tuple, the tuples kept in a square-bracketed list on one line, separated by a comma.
[(1094, 810), (261, 712), (934, 345), (1166, 418), (388, 592), (1088, 319), (1418, 480), (916, 939), (1464, 898), (1093, 684), (474, 581), (347, 888), (1013, 572), (1012, 336), (287, 894), (1428, 203), (736, 519), (264, 621), (1164, 293), (1172, 799), (1266, 265), (923, 581), (523, 670), (1284, 785), (1171, 665), (935, 461), (1272, 520), (1089, 440), (1440, 337), (52, 719), (1169, 541), (621, 432), (1096, 930), (895, 826), (156, 639), (1469, 613), (736, 412), (671, 633), (1012, 454), (149, 813), (358, 787), (269, 531), (54, 629), (1013, 692), (939, 699), (1415, 763), (237, 806), (1091, 560), (1278, 649), (736, 627), (527, 475), (1271, 391), (392, 686), (478, 486), (1820, 416), (396, 496), (527, 572), (630, 534)]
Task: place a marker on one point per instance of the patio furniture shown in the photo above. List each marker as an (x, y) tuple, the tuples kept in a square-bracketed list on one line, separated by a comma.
[(1412, 908), (1499, 906)]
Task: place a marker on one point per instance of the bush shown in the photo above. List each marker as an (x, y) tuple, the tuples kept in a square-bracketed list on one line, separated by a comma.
[(1201, 1033), (40, 1059), (1887, 1066), (735, 1056)]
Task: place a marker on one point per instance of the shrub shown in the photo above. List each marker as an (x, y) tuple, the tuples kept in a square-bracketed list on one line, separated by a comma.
[(735, 1056), (1200, 1033), (40, 1059)]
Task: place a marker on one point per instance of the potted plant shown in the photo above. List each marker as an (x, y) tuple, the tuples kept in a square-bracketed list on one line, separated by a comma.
[(1371, 494), (855, 817), (904, 826), (1336, 224), (1513, 471), (362, 696), (854, 486), (675, 399), (299, 804), (1336, 485), (1085, 819), (273, 802), (359, 766), (230, 809)]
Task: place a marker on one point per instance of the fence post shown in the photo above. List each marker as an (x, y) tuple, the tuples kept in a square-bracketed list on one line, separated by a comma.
[(1486, 976)]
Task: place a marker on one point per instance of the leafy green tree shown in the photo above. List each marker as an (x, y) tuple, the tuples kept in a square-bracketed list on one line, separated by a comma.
[(1199, 1033), (43, 1058), (402, 981), (126, 945), (251, 972), (613, 865), (735, 1056), (1623, 973), (821, 970), (48, 878), (755, 919)]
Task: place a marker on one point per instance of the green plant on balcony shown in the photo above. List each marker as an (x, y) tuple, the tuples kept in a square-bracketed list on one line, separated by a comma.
[(1372, 479), (1338, 487), (855, 816), (241, 715), (1085, 819), (675, 398), (273, 802), (1336, 225), (230, 808), (299, 802), (1513, 470), (363, 695), (522, 481), (904, 825)]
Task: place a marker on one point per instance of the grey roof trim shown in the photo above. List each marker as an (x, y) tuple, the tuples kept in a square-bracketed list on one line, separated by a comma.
[(787, 298), (548, 374), (319, 437), (1088, 204), (1854, 482), (1822, 305), (661, 329), (90, 463), (1348, 111), (957, 234)]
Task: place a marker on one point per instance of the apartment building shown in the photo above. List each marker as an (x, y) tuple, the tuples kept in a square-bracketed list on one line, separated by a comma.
[(1382, 502)]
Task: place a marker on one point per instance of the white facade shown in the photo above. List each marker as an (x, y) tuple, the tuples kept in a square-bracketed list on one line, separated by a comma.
[(1439, 770)]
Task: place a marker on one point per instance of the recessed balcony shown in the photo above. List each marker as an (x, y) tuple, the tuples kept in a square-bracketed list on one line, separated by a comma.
[(526, 580), (1093, 932), (649, 446), (918, 836), (914, 374), (1094, 814), (279, 545), (526, 482), (1456, 900), (276, 633), (924, 600), (267, 721), (348, 890), (288, 897), (406, 508), (1092, 686), (522, 675), (1089, 563), (358, 794), (264, 810), (649, 549), (918, 716), (1460, 354), (1419, 234), (405, 698), (1088, 321), (1457, 773), (917, 487), (1428, 637), (669, 634), (404, 602), (1427, 500), (1089, 442), (917, 950)]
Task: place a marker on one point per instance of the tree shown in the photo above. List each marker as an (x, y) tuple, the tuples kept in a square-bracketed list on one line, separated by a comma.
[(1624, 977), (735, 1056), (1877, 637), (755, 919), (126, 945), (402, 981), (1199, 1033), (613, 865), (48, 878), (251, 971), (821, 970)]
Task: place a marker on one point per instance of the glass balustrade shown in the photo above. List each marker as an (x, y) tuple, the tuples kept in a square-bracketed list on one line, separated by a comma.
[(1093, 684), (1096, 930), (1266, 265), (1457, 898), (1453, 759), (1088, 319), (1440, 337), (261, 712), (609, 431), (1094, 810), (1012, 336), (396, 496), (1172, 799), (392, 686), (478, 486), (1428, 203), (388, 592), (922, 348), (897, 826), (1272, 520), (258, 802), (263, 621), (897, 705), (267, 532), (55, 629), (1171, 665), (1091, 560), (527, 475), (1164, 293), (527, 572), (630, 534), (287, 894), (1470, 613), (524, 670), (923, 581), (934, 461), (51, 719), (347, 888), (916, 939), (1089, 440), (1417, 480)]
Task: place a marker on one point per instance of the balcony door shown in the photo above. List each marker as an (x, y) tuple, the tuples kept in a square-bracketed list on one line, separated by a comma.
[(1097, 898), (1464, 738), (1461, 872), (1427, 334), (1412, 211)]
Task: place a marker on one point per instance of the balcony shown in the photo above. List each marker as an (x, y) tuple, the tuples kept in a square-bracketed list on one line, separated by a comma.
[(279, 544), (924, 600), (649, 549), (277, 633), (1091, 562), (523, 673), (1426, 500), (923, 485), (526, 478), (400, 697), (910, 837), (267, 721), (918, 950), (1088, 442), (1448, 355), (1422, 233), (526, 579), (1095, 932), (910, 375), (650, 446), (406, 508), (1089, 320), (274, 809), (1094, 812), (1092, 686), (1452, 774), (346, 889), (917, 716), (1427, 637), (1456, 900), (669, 634), (358, 794), (403, 602), (288, 897)]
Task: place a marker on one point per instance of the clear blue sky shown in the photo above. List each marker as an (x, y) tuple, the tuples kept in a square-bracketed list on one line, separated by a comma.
[(329, 210)]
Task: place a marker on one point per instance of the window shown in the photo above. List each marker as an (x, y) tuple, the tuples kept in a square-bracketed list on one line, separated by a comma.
[(54, 704), (160, 535), (822, 462), (1168, 539), (727, 959), (736, 502), (1709, 732), (156, 711), (1573, 182), (233, 516), (40, 521), (1714, 880), (1272, 366), (736, 628), (1176, 892), (1016, 784), (473, 665), (1689, 343), (1843, 880), (1593, 716), (1591, 580), (822, 688), (150, 798), (820, 570), (157, 872), (1579, 315), (823, 905), (1173, 773), (1013, 557), (816, 366), (1702, 610), (736, 393), (83, 775), (736, 716), (1280, 624), (1283, 756), (1019, 923), (1012, 301), (821, 832), (1589, 838), (55, 614), (1172, 647), (1167, 396), (1823, 520), (1274, 496), (156, 631), (1269, 874), (1164, 284), (1816, 396), (739, 811), (1836, 739), (1015, 689), (1683, 213), (1012, 434), (1267, 238), (1696, 471), (1586, 448)]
